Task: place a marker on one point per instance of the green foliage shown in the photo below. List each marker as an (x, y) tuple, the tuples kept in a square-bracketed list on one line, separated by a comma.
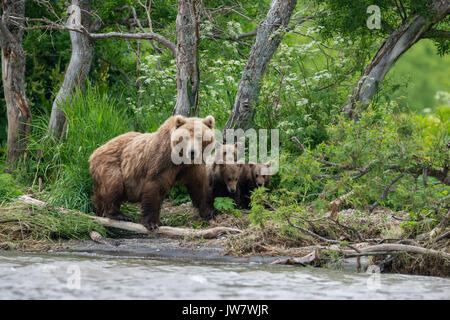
[(92, 120), (423, 89), (178, 195), (226, 205), (304, 88), (365, 157), (24, 223), (8, 188)]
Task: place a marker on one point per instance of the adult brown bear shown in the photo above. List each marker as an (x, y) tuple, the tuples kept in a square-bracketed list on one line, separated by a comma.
[(142, 167)]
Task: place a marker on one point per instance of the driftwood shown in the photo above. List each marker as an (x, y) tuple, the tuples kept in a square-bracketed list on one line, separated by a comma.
[(310, 259), (139, 228), (374, 250), (433, 234), (392, 248), (97, 237)]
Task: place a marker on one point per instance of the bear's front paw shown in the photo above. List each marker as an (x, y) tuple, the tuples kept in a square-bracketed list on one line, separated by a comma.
[(210, 214), (152, 225), (118, 216)]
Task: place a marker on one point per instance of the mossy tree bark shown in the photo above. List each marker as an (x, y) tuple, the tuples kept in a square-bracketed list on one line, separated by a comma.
[(79, 65), (187, 59), (13, 75), (268, 37)]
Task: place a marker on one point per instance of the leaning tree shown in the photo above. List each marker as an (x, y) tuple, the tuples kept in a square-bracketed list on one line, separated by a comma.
[(402, 23), (269, 34)]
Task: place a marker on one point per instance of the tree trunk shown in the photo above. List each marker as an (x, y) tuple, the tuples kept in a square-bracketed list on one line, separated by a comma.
[(79, 65), (268, 37), (187, 59), (392, 48), (13, 75)]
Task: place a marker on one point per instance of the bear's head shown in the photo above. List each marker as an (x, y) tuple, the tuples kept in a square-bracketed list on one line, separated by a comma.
[(226, 153), (259, 173), (190, 138), (229, 174)]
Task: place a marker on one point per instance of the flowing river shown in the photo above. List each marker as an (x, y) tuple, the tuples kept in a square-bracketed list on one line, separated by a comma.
[(51, 276)]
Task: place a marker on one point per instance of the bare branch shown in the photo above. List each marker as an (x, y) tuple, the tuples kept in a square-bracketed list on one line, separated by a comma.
[(51, 25), (435, 33)]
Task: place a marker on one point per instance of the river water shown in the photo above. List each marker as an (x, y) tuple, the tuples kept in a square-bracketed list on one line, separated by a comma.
[(39, 276)]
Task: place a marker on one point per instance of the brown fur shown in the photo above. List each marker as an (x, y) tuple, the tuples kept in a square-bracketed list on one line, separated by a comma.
[(224, 179), (222, 176), (225, 153), (251, 178), (138, 167)]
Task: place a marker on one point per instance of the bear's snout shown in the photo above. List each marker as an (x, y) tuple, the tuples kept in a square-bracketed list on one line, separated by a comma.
[(192, 154)]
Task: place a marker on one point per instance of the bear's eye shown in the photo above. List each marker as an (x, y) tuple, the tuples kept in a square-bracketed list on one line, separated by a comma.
[(224, 153), (198, 138)]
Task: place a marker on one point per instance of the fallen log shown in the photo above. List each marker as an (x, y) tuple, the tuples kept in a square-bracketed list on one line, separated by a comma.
[(97, 237), (389, 247), (309, 259), (139, 228), (374, 250)]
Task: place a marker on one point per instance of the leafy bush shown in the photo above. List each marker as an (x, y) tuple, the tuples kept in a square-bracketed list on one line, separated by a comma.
[(8, 188), (381, 159), (226, 205)]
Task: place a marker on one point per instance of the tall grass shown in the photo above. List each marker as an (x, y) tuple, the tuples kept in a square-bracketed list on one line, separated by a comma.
[(92, 119)]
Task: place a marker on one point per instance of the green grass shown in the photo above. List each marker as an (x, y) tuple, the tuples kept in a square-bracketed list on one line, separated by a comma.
[(23, 226), (8, 188), (92, 119)]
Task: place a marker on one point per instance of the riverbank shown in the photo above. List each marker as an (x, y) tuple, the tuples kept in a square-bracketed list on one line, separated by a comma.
[(26, 227)]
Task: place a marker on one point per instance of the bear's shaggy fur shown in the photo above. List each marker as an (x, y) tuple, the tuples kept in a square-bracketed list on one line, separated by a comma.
[(138, 167), (223, 179), (220, 173), (251, 178), (225, 153)]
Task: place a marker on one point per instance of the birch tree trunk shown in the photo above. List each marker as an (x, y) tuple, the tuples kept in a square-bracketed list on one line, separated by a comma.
[(187, 59), (79, 65), (13, 75), (268, 37), (405, 36)]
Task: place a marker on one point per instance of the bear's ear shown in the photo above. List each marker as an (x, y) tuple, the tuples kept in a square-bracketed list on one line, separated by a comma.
[(268, 164), (209, 122), (179, 121)]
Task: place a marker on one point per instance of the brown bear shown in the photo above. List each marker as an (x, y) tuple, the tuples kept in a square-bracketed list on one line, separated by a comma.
[(223, 180), (225, 153), (253, 176), (221, 174), (142, 167)]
